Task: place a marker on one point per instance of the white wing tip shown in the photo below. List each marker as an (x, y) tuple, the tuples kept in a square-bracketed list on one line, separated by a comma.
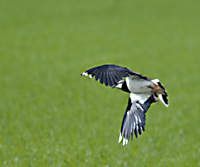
[(120, 138), (85, 74), (125, 141)]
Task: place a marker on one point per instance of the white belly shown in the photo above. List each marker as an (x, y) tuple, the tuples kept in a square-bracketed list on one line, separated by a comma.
[(139, 86)]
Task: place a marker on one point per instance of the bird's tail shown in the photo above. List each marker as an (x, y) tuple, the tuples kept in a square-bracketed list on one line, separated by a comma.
[(161, 92)]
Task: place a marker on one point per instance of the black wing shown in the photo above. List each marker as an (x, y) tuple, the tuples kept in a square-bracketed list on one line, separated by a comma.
[(110, 74), (134, 119)]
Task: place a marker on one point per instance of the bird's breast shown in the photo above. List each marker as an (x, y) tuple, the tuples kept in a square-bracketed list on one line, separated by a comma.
[(139, 86)]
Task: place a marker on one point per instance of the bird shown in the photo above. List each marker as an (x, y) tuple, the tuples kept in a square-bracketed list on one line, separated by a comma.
[(143, 91)]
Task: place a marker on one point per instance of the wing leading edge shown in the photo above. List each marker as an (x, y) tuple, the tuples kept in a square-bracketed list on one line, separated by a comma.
[(110, 74)]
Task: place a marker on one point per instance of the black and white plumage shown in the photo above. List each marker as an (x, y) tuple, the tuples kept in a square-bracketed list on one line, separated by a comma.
[(143, 92)]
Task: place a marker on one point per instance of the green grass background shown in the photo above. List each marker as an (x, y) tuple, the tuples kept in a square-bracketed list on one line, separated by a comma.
[(51, 116)]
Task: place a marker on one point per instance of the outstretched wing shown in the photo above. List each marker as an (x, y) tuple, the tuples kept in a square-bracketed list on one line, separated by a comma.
[(110, 74), (134, 118)]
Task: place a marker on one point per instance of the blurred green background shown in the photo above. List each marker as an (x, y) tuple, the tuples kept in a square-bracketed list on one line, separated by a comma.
[(51, 116)]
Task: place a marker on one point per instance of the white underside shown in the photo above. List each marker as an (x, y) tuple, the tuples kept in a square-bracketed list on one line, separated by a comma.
[(139, 86), (139, 97)]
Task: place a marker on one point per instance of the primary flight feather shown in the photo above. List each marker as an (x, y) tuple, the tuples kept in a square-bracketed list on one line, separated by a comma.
[(143, 92)]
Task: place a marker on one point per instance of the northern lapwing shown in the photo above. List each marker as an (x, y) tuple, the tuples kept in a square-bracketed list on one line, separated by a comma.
[(143, 92)]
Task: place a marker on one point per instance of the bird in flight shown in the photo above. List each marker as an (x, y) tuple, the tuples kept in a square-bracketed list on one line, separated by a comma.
[(143, 92)]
